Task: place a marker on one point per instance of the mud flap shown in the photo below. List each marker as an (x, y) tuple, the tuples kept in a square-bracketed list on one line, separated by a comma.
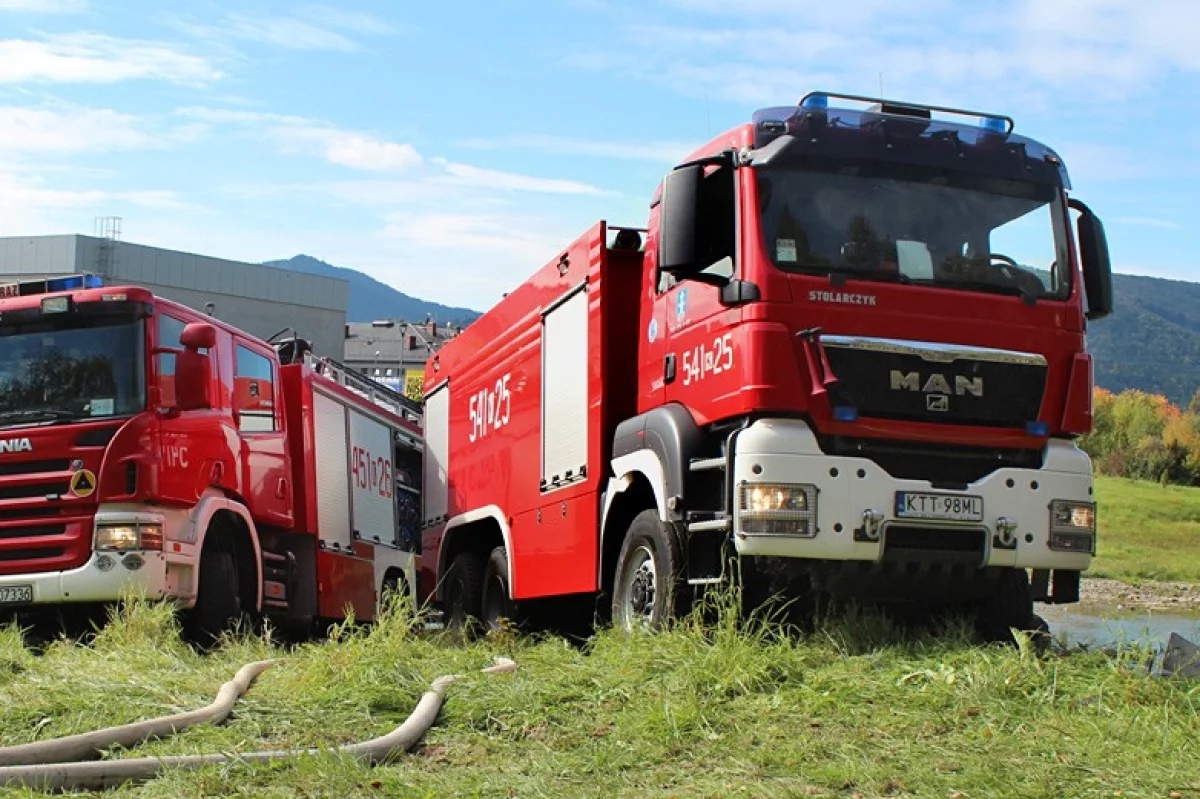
[(1063, 591)]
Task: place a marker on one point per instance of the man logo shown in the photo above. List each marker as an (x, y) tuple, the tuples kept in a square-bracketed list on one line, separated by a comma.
[(936, 384), (16, 445), (937, 402)]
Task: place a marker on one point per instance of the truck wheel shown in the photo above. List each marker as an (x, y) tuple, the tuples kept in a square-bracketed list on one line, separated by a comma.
[(496, 602), (646, 586), (462, 593), (394, 591), (218, 605), (1010, 606)]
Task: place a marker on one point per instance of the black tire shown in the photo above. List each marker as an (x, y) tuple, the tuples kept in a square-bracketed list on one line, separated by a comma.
[(1010, 606), (462, 593), (394, 589), (495, 602), (648, 581), (218, 607)]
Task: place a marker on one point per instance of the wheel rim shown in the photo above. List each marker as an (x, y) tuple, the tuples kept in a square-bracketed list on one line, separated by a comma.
[(639, 589)]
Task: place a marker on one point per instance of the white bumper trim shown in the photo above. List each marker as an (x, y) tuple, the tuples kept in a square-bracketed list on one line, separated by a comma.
[(786, 451)]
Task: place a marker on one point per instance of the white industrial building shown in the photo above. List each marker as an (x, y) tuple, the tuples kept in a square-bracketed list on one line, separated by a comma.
[(261, 300)]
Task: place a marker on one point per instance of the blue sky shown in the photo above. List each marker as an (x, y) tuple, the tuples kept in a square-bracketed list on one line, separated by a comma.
[(451, 148)]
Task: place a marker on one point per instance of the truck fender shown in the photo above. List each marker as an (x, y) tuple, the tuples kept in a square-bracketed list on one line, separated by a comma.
[(487, 512), (671, 435), (208, 507), (645, 463)]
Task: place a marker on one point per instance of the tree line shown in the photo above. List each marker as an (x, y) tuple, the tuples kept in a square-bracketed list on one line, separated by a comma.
[(1144, 436)]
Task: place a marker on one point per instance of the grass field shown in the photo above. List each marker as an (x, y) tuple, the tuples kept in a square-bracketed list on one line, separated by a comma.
[(1147, 531), (856, 709)]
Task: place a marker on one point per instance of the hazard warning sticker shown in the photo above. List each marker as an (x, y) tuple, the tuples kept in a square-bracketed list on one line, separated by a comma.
[(83, 483)]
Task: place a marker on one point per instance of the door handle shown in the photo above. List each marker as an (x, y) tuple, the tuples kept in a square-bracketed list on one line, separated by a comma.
[(669, 368)]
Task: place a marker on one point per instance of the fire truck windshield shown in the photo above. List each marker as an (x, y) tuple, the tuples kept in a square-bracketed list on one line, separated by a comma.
[(68, 367), (897, 222)]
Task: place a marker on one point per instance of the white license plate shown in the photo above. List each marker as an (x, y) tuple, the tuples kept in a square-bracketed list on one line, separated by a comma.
[(948, 507), (10, 594)]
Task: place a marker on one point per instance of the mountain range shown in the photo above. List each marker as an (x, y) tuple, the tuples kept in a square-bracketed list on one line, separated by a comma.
[(1151, 342), (370, 299)]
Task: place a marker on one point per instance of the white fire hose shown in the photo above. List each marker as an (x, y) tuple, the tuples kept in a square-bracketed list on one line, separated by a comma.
[(57, 775)]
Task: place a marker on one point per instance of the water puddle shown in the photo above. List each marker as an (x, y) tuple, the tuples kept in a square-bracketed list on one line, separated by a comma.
[(1096, 626)]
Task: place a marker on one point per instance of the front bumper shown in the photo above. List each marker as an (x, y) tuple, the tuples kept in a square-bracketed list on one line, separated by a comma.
[(786, 451), (104, 578), (109, 575)]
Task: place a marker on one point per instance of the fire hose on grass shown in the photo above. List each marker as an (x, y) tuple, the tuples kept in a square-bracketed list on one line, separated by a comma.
[(59, 776), (91, 744)]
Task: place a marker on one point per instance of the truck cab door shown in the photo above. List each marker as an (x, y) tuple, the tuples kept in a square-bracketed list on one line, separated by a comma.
[(701, 328), (701, 342)]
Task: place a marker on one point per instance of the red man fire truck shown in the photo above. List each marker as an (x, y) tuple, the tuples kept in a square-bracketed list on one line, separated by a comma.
[(850, 351), (146, 446)]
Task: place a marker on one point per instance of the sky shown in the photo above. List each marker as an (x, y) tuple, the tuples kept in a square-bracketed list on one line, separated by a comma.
[(451, 148)]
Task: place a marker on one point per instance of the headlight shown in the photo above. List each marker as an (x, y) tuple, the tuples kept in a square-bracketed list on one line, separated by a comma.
[(1073, 526), (121, 537), (778, 509), (765, 498)]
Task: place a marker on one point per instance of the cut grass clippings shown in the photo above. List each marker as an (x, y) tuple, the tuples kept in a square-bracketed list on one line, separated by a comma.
[(857, 708)]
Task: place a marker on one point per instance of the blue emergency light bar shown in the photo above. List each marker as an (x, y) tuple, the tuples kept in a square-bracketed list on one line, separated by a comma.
[(992, 123), (51, 285)]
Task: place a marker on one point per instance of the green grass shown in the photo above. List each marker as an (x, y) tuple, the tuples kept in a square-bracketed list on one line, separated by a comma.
[(855, 709), (1147, 531)]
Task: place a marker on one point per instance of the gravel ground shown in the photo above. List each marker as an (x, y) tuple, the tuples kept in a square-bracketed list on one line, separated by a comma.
[(1148, 595)]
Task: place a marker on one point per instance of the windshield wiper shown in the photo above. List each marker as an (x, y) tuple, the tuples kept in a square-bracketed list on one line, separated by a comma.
[(38, 415)]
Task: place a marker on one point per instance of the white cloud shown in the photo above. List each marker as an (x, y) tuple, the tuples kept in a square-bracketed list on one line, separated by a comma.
[(36, 130), (770, 53), (288, 32), (312, 28), (97, 58), (364, 152), (44, 6), (355, 21), (667, 152), (361, 152), (29, 206), (479, 177)]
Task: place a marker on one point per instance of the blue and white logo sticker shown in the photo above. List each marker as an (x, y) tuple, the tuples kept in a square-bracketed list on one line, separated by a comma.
[(681, 303), (652, 333)]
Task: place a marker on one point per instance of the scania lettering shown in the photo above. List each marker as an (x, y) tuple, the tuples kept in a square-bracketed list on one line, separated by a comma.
[(162, 451), (847, 355)]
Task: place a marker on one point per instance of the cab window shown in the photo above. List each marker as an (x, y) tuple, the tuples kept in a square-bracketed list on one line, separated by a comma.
[(254, 391)]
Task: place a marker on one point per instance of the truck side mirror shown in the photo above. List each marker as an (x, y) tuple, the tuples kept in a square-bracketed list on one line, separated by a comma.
[(679, 228), (1097, 266), (198, 336), (193, 370)]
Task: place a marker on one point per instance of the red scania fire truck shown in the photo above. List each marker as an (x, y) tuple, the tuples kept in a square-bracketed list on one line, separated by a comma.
[(147, 447), (850, 351)]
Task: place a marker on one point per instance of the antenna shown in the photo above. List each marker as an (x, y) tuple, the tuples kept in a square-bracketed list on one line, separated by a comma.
[(707, 116), (881, 85)]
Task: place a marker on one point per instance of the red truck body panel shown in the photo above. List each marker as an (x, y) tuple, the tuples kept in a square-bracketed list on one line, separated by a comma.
[(553, 541)]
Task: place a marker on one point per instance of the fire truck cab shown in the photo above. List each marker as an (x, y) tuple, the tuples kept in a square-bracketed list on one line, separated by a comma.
[(147, 447)]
